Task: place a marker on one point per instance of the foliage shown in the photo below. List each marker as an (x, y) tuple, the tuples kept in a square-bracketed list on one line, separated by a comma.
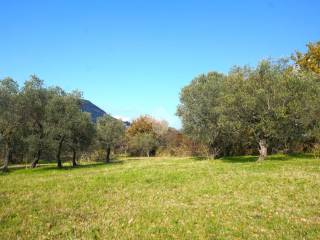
[(270, 105), (81, 135), (176, 143), (38, 121), (145, 134), (143, 143), (143, 124), (309, 60), (270, 108), (110, 133), (199, 110), (34, 101), (10, 117), (62, 119)]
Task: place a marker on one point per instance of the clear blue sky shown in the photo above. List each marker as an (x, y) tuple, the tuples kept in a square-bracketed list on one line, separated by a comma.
[(133, 57)]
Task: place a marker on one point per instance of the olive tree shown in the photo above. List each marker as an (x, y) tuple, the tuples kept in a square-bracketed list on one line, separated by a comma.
[(34, 100), (273, 103), (62, 113), (110, 132), (272, 106), (199, 110), (81, 135), (10, 116)]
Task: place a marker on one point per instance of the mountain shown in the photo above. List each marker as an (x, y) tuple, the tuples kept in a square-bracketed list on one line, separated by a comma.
[(87, 106)]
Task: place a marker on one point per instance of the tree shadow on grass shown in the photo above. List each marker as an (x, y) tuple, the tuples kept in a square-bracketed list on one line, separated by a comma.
[(133, 158), (239, 159), (291, 156), (84, 166), (279, 157), (230, 159), (14, 168), (201, 158), (143, 158), (275, 157), (50, 167)]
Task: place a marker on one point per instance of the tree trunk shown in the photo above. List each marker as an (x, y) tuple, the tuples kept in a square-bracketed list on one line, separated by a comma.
[(263, 150), (215, 152), (59, 163), (36, 160), (10, 156), (6, 159), (108, 155), (74, 156), (148, 153)]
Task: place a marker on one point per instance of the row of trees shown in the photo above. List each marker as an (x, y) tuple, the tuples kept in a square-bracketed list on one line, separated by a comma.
[(38, 122), (270, 108)]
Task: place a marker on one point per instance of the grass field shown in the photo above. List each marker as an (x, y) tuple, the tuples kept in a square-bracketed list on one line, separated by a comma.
[(165, 198)]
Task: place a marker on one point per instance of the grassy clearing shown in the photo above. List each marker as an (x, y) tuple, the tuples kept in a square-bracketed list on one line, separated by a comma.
[(165, 198)]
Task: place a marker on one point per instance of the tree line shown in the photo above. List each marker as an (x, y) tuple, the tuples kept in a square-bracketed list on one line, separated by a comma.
[(273, 107), (265, 109), (38, 121), (46, 123)]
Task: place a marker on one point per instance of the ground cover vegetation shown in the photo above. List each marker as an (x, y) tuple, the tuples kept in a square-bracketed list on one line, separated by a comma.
[(164, 198)]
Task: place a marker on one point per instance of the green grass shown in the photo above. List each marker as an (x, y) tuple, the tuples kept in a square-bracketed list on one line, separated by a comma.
[(165, 198)]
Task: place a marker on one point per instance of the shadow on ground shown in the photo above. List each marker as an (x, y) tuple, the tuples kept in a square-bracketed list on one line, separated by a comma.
[(83, 166), (275, 157), (49, 167), (230, 159), (239, 159), (199, 158)]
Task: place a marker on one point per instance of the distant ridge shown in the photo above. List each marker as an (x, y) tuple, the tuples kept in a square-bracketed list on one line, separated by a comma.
[(95, 111), (87, 106)]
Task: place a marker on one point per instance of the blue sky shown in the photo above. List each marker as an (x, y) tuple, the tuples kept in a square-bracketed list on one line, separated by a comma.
[(133, 57)]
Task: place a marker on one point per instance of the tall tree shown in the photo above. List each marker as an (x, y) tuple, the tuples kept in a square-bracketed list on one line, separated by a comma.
[(34, 101), (81, 134), (110, 132), (10, 116), (199, 110), (62, 111), (271, 103), (272, 106)]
